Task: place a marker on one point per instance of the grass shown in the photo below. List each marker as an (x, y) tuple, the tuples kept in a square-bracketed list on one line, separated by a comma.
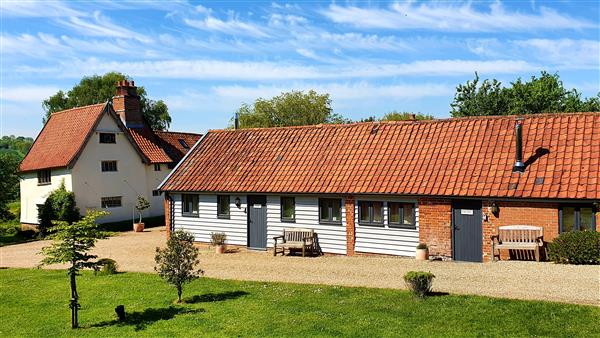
[(34, 303)]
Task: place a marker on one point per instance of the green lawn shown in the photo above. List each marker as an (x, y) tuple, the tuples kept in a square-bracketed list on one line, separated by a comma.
[(34, 303)]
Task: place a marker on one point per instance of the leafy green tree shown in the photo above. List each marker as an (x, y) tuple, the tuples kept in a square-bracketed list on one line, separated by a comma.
[(295, 108), (403, 116), (544, 94), (97, 89), (176, 263), (9, 182), (71, 244), (141, 205), (59, 206), (18, 145)]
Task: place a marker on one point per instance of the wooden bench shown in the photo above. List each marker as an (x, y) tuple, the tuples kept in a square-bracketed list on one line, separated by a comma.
[(519, 237), (294, 239)]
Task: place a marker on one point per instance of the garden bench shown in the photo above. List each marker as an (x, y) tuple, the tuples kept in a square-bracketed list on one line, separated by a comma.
[(294, 239), (519, 237)]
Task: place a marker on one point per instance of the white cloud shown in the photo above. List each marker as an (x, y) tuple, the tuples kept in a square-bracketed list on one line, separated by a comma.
[(30, 93), (573, 54), (102, 26), (252, 71), (36, 9), (449, 17), (232, 26)]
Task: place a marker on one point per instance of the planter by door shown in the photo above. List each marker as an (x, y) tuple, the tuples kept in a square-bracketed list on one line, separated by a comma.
[(138, 227), (467, 233), (257, 222)]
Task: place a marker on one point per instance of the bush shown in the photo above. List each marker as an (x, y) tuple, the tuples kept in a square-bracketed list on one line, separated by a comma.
[(419, 282), (217, 238), (576, 247), (422, 246), (107, 266), (59, 206)]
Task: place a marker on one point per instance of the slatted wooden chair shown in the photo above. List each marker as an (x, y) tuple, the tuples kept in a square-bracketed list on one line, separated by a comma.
[(295, 239), (518, 237)]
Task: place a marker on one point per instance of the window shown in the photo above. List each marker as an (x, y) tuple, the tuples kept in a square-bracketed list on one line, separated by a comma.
[(370, 213), (157, 167), (190, 205), (401, 215), (223, 206), (109, 166), (111, 202), (108, 138), (183, 144), (288, 209), (575, 218), (330, 210), (155, 192), (44, 177)]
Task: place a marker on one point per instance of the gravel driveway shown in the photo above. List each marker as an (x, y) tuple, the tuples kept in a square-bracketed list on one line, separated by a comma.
[(523, 280)]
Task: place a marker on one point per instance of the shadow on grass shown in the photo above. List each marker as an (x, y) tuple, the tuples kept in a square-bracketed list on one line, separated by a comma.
[(141, 319), (214, 297), (437, 294)]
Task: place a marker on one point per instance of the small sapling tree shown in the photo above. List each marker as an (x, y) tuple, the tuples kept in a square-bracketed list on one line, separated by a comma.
[(176, 263), (141, 205), (72, 243)]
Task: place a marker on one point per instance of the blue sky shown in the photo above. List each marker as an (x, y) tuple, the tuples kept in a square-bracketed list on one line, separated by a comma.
[(206, 58)]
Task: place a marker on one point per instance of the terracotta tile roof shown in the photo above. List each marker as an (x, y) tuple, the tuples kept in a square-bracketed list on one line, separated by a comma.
[(62, 138), (66, 132), (469, 157), (177, 144)]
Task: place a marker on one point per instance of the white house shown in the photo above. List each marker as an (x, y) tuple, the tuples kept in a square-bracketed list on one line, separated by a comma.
[(106, 154)]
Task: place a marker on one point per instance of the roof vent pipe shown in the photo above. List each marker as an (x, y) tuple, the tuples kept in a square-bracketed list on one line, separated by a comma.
[(519, 165), (236, 121)]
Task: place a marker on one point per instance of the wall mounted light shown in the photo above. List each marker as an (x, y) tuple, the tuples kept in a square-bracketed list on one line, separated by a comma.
[(495, 209), (238, 202)]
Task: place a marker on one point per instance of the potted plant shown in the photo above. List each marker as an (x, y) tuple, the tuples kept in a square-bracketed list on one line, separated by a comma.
[(422, 252), (217, 239), (141, 205)]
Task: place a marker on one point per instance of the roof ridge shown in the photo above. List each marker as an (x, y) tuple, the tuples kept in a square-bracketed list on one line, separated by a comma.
[(450, 119), (74, 108), (175, 132)]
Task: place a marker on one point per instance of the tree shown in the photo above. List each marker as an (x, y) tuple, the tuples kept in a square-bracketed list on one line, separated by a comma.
[(404, 116), (9, 182), (18, 145), (97, 89), (71, 244), (176, 263), (141, 205), (295, 108), (59, 206), (544, 94)]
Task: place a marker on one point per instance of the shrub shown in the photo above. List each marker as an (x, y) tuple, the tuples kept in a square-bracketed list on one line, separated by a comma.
[(106, 266), (576, 247), (217, 238), (59, 206), (422, 246), (419, 282)]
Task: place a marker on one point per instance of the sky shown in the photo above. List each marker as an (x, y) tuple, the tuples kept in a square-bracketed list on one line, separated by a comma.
[(205, 59)]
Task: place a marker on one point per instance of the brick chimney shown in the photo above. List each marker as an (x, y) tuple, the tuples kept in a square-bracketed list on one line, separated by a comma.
[(126, 104)]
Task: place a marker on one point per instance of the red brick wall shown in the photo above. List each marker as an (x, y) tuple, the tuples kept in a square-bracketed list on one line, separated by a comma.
[(167, 206), (519, 213), (435, 218), (350, 226)]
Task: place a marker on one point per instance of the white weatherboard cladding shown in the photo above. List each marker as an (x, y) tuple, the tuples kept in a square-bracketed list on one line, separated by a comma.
[(386, 240), (332, 237), (207, 221)]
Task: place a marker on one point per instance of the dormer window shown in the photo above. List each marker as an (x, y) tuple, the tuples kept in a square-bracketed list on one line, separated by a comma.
[(183, 143), (44, 177), (108, 138)]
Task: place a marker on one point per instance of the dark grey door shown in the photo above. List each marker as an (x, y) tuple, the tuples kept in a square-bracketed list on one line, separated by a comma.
[(257, 222), (467, 231)]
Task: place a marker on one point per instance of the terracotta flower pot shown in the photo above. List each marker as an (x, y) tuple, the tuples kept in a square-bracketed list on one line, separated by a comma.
[(138, 227), (220, 249), (422, 254)]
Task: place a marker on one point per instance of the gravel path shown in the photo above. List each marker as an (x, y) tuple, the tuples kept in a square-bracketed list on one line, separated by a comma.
[(522, 280)]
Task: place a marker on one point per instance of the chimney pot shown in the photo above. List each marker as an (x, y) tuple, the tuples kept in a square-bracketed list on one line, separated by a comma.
[(126, 104)]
